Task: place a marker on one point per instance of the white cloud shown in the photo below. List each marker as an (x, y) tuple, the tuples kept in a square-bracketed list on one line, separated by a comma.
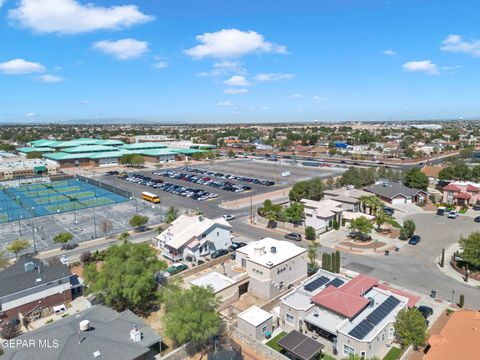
[(30, 114), (123, 49), (296, 96), (72, 17), (317, 99), (226, 104), (20, 67), (389, 52), (160, 64), (274, 77), (84, 101), (225, 68), (50, 79), (232, 43), (1, 2), (235, 91), (237, 80), (455, 43), (425, 66)]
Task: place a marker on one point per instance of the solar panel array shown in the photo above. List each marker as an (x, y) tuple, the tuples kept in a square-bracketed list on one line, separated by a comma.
[(361, 330), (336, 282), (383, 310), (315, 284), (380, 313)]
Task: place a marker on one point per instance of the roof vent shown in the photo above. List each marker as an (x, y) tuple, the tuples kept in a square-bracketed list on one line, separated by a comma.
[(269, 263), (372, 302), (273, 250), (135, 334), (84, 325), (97, 353)]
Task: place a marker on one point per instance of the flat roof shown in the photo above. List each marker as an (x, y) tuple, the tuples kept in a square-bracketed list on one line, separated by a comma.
[(138, 146), (271, 252), (214, 279), (27, 150), (255, 316)]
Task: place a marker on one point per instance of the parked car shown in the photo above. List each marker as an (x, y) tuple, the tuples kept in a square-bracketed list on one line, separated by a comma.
[(236, 245), (453, 214), (389, 210), (477, 219), (228, 217), (64, 259), (175, 268), (476, 207), (218, 253), (293, 236), (414, 240), (441, 211), (426, 311), (69, 246)]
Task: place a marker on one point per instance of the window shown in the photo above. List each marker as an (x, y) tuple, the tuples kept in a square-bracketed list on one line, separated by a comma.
[(391, 333), (218, 233), (244, 263), (363, 355), (348, 350), (264, 329), (289, 319)]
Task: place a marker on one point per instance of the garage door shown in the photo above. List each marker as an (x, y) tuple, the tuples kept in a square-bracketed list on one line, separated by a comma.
[(398, 201)]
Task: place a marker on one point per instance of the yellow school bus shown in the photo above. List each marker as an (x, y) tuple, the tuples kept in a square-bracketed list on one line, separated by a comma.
[(150, 197)]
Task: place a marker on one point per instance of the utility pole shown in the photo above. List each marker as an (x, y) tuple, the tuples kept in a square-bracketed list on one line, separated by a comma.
[(251, 209), (94, 218)]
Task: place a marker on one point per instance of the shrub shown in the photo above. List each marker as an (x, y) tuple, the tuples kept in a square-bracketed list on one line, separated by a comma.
[(461, 301), (336, 225), (310, 233)]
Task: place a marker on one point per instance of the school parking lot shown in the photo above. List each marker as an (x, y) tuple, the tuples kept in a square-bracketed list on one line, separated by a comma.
[(224, 178)]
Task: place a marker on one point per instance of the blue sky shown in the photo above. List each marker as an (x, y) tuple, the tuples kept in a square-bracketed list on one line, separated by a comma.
[(239, 61)]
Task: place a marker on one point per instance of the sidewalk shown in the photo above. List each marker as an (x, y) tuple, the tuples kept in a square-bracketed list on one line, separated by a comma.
[(449, 271)]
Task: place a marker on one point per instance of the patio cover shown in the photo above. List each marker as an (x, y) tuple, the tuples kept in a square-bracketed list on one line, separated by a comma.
[(300, 345)]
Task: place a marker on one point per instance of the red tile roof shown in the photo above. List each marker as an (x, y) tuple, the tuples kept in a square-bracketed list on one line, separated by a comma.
[(359, 285), (451, 187), (412, 299), (463, 195), (340, 301), (471, 188)]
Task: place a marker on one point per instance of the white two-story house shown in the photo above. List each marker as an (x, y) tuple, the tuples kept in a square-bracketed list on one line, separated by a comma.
[(192, 237)]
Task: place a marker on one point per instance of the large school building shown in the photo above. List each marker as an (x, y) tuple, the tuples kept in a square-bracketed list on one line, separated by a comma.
[(86, 152)]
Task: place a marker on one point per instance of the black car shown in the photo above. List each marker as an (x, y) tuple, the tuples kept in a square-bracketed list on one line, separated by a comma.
[(477, 219), (293, 236), (388, 211), (476, 207), (218, 253), (425, 310), (69, 246), (236, 245)]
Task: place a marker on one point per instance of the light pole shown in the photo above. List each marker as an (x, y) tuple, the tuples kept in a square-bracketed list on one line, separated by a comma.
[(453, 295), (33, 230), (94, 218), (20, 225)]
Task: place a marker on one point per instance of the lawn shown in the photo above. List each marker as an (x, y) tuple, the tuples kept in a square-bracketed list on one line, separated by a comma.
[(393, 354), (273, 343), (327, 357)]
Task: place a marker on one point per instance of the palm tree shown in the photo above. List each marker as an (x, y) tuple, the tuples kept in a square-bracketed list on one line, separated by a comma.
[(124, 236)]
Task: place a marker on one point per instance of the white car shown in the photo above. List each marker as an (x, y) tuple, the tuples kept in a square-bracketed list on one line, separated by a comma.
[(229, 217), (452, 214)]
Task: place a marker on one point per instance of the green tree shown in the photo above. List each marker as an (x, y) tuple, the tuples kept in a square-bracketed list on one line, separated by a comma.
[(132, 159), (310, 233), (410, 328), (3, 260), (312, 256), (124, 236), (126, 278), (407, 230), (327, 261), (381, 217), (409, 152), (461, 301), (415, 178), (17, 246), (338, 261), (362, 227), (171, 215), (34, 155), (294, 212), (138, 221), (231, 154), (333, 265), (309, 189), (63, 238), (190, 314), (470, 247)]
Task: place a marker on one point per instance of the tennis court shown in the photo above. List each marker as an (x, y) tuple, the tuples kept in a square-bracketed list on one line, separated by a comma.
[(32, 200)]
